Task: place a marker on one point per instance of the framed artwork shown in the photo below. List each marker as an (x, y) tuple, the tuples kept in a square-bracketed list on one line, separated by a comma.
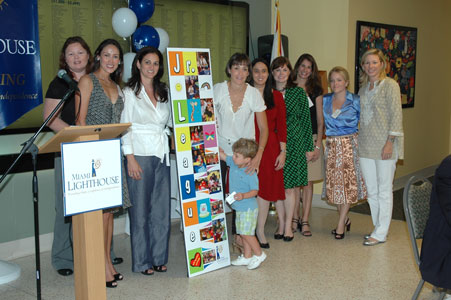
[(399, 44)]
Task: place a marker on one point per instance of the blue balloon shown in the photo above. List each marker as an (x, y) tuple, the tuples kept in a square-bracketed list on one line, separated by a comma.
[(144, 36), (143, 9)]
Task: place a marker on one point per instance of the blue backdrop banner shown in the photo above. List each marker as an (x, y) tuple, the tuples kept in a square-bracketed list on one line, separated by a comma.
[(20, 63)]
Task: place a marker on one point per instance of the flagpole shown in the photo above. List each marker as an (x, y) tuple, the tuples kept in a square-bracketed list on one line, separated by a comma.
[(277, 48)]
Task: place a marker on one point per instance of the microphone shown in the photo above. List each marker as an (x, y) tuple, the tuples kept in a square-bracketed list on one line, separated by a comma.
[(72, 84)]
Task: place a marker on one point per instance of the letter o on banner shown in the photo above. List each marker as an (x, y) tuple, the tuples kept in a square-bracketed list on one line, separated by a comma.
[(143, 9), (144, 36)]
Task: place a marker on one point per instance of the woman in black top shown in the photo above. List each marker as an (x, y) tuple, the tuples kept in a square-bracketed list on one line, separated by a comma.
[(76, 59)]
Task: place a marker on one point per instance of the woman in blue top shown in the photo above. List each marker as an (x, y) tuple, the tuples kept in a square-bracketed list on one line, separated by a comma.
[(344, 182)]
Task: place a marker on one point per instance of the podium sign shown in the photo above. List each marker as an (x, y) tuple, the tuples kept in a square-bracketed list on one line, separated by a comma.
[(199, 174), (92, 175)]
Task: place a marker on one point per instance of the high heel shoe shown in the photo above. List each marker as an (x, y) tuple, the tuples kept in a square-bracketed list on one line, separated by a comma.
[(340, 236), (287, 238), (262, 245), (118, 276), (348, 224), (296, 222), (305, 232), (111, 284), (278, 236), (347, 227)]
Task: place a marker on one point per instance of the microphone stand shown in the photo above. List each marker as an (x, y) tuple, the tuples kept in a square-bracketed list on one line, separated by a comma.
[(30, 147)]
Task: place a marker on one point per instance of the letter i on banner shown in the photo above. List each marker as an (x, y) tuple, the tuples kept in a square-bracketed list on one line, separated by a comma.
[(197, 155)]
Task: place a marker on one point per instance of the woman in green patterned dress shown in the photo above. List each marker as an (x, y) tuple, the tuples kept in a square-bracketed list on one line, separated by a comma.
[(299, 141)]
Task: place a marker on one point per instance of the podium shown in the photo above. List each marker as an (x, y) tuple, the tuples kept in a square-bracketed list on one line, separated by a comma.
[(88, 240)]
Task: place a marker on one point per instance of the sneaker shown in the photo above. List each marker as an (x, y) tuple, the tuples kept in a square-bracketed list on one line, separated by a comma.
[(256, 261), (241, 261)]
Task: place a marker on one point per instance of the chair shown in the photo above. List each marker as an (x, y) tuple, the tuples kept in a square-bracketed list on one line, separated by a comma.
[(417, 193)]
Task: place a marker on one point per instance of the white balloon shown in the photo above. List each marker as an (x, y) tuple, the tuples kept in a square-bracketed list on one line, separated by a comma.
[(124, 22), (164, 39), (128, 60)]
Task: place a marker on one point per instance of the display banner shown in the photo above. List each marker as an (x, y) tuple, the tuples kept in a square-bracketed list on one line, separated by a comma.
[(197, 154), (92, 175), (20, 65)]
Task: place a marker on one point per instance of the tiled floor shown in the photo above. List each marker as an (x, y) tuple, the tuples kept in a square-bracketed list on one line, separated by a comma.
[(318, 267)]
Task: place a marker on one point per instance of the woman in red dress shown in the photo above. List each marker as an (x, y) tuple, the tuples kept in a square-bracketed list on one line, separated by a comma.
[(270, 175)]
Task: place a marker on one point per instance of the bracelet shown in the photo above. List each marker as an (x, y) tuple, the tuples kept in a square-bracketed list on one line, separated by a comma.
[(283, 150), (391, 139), (261, 147), (317, 147)]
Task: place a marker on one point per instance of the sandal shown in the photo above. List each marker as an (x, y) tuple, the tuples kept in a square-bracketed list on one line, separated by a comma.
[(160, 269), (147, 272), (111, 284), (305, 232), (118, 276), (296, 222)]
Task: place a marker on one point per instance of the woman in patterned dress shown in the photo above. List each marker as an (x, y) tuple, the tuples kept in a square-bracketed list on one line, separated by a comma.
[(306, 76), (299, 140), (270, 176), (344, 182), (102, 103)]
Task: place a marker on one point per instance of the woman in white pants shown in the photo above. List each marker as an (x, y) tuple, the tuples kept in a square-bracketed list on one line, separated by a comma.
[(381, 141)]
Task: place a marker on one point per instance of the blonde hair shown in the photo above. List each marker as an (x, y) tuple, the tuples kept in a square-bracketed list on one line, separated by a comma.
[(364, 78), (339, 70), (245, 147)]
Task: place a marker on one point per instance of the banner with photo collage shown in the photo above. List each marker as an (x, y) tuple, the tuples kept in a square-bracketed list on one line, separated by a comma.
[(197, 153)]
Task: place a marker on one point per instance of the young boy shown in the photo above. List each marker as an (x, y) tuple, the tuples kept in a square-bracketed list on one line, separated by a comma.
[(246, 188)]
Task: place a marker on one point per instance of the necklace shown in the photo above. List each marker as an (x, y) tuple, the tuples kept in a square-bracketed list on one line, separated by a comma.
[(281, 90)]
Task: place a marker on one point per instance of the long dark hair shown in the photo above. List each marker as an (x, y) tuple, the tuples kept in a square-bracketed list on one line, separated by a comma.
[(116, 75), (280, 62), (313, 85), (159, 88), (267, 91), (62, 60)]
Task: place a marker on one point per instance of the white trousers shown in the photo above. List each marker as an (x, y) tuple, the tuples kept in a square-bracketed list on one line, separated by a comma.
[(378, 175)]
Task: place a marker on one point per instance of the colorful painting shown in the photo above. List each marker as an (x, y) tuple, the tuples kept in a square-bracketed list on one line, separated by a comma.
[(399, 44)]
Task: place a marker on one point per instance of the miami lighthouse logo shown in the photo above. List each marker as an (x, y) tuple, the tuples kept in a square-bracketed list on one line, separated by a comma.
[(95, 164), (91, 181)]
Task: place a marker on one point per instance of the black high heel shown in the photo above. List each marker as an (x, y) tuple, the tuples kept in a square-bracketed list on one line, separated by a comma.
[(118, 276), (287, 238), (262, 245), (278, 236), (111, 284), (294, 221), (340, 236), (347, 227)]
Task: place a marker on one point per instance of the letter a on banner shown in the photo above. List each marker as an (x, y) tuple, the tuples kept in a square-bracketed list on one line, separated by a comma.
[(197, 153)]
